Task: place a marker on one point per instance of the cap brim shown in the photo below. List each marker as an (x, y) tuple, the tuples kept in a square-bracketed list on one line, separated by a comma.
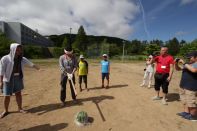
[(68, 52)]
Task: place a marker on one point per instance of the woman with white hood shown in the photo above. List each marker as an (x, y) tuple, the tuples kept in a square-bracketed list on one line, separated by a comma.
[(11, 76)]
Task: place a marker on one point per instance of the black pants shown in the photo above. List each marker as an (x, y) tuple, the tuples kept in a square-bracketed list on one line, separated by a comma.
[(161, 81), (84, 78), (63, 88)]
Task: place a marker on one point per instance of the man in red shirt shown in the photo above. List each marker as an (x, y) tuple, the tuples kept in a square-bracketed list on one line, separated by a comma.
[(164, 70)]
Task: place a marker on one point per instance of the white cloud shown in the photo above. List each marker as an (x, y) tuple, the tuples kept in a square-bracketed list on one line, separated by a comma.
[(181, 33), (184, 2), (99, 17)]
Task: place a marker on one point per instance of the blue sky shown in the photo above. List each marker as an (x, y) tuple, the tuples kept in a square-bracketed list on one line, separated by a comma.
[(127, 19), (167, 19)]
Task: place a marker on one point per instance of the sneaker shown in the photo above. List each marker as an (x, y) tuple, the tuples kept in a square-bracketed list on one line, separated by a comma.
[(3, 114), (75, 101), (63, 104), (156, 98), (164, 102), (182, 114), (190, 117), (149, 86)]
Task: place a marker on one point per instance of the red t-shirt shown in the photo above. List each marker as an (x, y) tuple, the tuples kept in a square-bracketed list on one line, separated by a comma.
[(163, 63)]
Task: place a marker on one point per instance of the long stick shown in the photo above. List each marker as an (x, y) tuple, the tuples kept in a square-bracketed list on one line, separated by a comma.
[(73, 86)]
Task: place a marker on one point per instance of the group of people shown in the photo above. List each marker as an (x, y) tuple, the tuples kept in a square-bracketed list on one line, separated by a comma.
[(163, 74), (11, 74), (12, 65), (69, 65)]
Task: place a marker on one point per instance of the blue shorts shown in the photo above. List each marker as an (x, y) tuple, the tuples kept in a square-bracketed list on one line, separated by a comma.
[(13, 86), (105, 75)]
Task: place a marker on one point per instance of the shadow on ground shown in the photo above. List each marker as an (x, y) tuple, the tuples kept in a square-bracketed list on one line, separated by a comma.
[(112, 86), (47, 127), (42, 109), (173, 97)]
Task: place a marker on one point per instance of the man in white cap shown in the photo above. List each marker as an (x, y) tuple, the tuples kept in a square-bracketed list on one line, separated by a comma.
[(68, 65), (83, 72), (11, 76), (105, 70)]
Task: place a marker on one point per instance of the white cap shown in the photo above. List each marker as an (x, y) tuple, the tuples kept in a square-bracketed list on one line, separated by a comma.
[(150, 56), (105, 55), (81, 56)]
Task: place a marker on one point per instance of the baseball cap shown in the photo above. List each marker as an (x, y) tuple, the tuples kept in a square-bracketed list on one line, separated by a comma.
[(81, 56), (150, 56), (68, 50), (105, 55), (191, 54)]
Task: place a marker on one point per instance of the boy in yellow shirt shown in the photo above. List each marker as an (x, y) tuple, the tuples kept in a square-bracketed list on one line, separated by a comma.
[(83, 72)]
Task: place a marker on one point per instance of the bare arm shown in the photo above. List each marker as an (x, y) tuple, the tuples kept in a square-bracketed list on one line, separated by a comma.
[(36, 67), (1, 82), (171, 72), (109, 68), (190, 68)]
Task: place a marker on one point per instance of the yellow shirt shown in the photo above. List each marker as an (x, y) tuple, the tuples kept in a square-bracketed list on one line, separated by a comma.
[(83, 68)]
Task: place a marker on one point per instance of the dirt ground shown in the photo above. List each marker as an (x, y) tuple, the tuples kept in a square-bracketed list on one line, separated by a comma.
[(125, 106)]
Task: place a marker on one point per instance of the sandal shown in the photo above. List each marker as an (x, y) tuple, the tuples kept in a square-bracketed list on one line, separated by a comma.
[(22, 111), (3, 114)]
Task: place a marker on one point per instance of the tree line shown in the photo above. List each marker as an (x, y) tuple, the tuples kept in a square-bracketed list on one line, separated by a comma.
[(97, 45), (94, 46)]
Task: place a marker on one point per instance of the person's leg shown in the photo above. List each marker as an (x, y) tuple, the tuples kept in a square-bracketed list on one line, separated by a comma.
[(146, 73), (19, 102), (6, 105), (191, 102), (183, 101), (7, 91), (85, 79), (165, 85), (157, 87), (107, 77), (102, 77), (150, 76), (193, 111), (80, 81), (63, 88)]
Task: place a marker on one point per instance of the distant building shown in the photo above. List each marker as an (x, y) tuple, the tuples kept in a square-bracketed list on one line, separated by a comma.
[(22, 34)]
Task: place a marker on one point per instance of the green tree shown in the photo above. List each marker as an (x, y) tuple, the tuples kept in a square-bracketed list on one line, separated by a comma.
[(186, 48), (4, 44), (104, 48), (151, 48), (81, 40), (173, 46), (114, 50), (136, 47), (157, 42), (65, 42)]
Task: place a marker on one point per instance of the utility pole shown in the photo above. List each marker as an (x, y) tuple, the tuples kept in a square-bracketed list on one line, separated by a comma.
[(123, 50), (70, 38)]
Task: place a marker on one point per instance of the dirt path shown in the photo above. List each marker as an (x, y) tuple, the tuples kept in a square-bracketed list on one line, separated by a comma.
[(123, 107)]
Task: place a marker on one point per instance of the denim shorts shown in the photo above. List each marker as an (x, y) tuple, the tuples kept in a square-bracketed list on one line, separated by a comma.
[(105, 75), (13, 86)]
